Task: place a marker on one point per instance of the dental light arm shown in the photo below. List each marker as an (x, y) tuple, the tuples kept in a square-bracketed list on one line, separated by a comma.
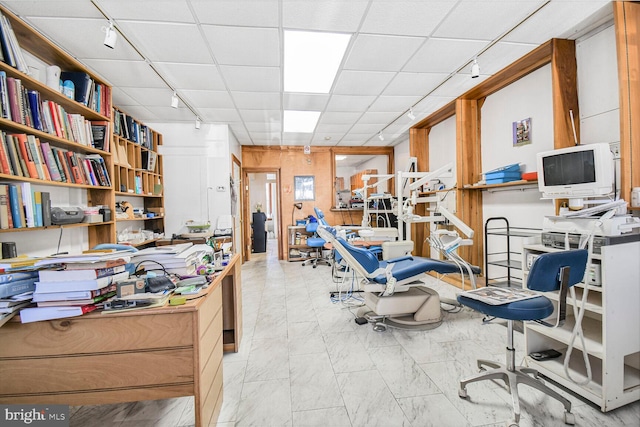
[(428, 176), (466, 230)]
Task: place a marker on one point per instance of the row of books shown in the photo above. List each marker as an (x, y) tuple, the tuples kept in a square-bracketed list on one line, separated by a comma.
[(128, 128), (24, 106), (11, 53), (25, 155), (21, 207), (89, 92)]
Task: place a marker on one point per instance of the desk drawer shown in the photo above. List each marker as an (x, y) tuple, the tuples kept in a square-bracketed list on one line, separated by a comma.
[(87, 373), (209, 309), (96, 334)]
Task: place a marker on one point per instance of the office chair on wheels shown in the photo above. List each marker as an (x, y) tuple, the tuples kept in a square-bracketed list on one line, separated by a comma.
[(317, 243), (550, 272)]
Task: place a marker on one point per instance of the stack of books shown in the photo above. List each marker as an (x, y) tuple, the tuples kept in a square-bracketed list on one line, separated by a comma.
[(16, 290), (182, 259), (77, 286)]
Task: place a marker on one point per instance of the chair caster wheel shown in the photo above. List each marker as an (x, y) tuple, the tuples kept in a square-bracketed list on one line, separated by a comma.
[(378, 327), (462, 393), (511, 424), (569, 418), (314, 266)]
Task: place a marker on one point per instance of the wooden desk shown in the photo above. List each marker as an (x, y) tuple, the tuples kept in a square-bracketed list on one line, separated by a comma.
[(148, 354)]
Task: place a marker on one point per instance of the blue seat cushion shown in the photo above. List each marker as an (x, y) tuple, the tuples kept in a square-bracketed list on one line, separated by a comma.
[(315, 242), (529, 309), (413, 266)]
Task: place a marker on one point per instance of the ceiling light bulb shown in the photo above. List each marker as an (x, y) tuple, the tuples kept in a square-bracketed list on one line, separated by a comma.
[(111, 36), (475, 69), (197, 122), (380, 136), (174, 100), (411, 115)]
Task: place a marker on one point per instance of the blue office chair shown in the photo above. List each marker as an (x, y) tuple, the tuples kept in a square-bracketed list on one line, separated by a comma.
[(317, 243), (550, 272)]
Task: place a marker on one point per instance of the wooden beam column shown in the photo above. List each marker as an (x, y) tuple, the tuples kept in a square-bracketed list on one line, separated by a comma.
[(419, 148)]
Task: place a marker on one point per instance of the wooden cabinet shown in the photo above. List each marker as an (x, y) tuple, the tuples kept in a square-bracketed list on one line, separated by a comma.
[(612, 313), (57, 129), (138, 172), (297, 249)]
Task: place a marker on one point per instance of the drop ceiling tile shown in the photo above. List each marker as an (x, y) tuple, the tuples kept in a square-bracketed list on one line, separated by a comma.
[(265, 135), (260, 126), (68, 9), (251, 79), (501, 55), (362, 82), (305, 101), (257, 100), (239, 130), (377, 118), (349, 103), (484, 20), (245, 13), (458, 84), (122, 97), (90, 45), (207, 98), (418, 17), (394, 103), (356, 142), (554, 19), (139, 112), (148, 10), (169, 114), (191, 76), (329, 15), (126, 73), (152, 97), (320, 137), (444, 55), (267, 116), (381, 53), (219, 115), (244, 46), (339, 118), (375, 142), (431, 104), (296, 138), (168, 42), (333, 128), (363, 128), (414, 83)]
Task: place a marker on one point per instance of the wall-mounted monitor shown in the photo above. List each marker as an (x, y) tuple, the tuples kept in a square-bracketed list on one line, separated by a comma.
[(576, 172)]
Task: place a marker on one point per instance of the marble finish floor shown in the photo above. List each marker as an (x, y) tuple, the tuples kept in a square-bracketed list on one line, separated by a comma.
[(303, 361)]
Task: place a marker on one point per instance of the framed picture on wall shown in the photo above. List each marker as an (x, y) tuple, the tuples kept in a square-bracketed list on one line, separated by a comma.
[(521, 132), (304, 188)]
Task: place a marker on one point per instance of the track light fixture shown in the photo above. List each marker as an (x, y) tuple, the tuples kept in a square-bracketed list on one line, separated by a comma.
[(197, 122), (475, 69), (111, 36), (174, 100), (411, 115), (380, 136)]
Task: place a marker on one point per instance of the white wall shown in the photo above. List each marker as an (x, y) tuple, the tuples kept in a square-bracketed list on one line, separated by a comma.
[(196, 163), (378, 163), (442, 149)]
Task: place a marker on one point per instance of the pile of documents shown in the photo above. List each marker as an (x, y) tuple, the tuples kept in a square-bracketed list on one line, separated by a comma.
[(181, 259)]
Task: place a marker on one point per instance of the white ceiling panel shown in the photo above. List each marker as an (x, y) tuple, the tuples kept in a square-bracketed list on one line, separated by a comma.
[(305, 102), (244, 46), (207, 98), (90, 45), (381, 53), (192, 76), (362, 82), (444, 55), (394, 103), (168, 42), (554, 19), (326, 15), (126, 73), (413, 83), (257, 100), (405, 17), (224, 57), (244, 13), (148, 10), (251, 79), (483, 19), (339, 103)]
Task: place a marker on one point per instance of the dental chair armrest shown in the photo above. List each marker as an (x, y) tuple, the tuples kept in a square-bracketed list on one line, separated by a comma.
[(404, 258)]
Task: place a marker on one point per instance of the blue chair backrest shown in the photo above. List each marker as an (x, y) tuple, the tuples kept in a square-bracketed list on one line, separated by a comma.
[(544, 275), (365, 257), (320, 216), (311, 227)]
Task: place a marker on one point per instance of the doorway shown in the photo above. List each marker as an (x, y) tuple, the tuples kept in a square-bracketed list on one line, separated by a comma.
[(262, 209)]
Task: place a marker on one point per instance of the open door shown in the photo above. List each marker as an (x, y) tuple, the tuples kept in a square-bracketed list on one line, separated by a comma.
[(238, 213)]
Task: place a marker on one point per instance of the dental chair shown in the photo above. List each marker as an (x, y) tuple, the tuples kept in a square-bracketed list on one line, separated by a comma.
[(554, 271), (393, 292), (316, 243)]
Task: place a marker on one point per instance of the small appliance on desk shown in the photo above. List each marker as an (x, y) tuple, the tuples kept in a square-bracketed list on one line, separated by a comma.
[(197, 229)]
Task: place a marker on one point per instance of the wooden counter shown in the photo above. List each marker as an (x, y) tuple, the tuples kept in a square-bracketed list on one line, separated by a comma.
[(148, 354)]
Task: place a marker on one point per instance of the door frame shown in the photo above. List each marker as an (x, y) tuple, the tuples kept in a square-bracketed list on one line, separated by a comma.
[(246, 212)]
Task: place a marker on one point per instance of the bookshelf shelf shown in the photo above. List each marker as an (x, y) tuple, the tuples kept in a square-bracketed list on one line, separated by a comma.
[(57, 227)]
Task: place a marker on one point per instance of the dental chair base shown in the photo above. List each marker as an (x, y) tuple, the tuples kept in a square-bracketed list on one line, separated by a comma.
[(416, 308)]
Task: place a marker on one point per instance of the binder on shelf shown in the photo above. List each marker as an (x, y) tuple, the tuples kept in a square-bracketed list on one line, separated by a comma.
[(46, 208), (4, 207), (82, 82), (16, 206)]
